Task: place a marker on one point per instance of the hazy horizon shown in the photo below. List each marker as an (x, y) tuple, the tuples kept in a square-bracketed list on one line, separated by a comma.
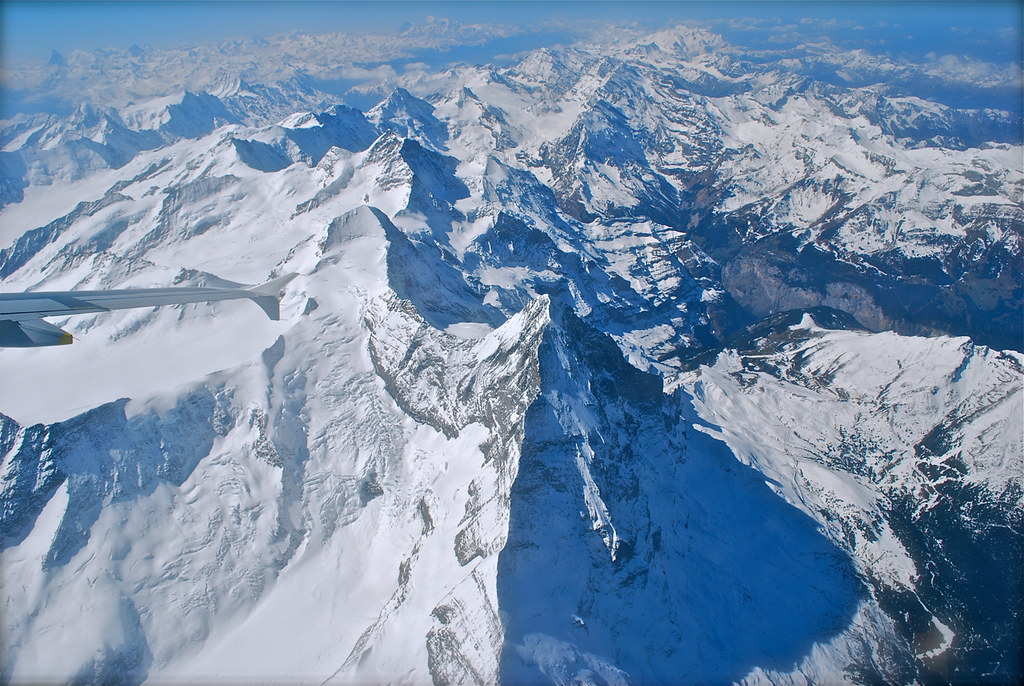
[(989, 31)]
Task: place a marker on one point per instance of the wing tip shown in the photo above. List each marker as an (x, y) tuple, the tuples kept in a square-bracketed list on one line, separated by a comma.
[(268, 295), (274, 286)]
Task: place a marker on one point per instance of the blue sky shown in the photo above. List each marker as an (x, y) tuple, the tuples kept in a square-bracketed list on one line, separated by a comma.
[(31, 30)]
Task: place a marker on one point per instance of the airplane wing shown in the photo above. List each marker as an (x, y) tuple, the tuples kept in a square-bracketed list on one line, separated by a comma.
[(22, 326)]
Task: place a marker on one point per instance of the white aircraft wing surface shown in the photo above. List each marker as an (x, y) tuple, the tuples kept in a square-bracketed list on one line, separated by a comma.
[(21, 323)]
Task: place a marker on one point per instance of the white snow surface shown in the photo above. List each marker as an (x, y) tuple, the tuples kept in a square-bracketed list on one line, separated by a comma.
[(872, 398)]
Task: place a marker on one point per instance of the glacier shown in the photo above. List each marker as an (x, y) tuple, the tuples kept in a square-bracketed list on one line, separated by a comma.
[(643, 360)]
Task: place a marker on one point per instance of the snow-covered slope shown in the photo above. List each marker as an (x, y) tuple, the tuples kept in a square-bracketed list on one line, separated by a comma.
[(908, 452), (539, 407)]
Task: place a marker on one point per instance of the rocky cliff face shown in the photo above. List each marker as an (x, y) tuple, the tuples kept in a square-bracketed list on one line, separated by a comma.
[(608, 366)]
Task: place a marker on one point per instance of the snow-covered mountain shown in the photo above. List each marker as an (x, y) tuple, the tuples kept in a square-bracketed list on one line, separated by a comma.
[(641, 361)]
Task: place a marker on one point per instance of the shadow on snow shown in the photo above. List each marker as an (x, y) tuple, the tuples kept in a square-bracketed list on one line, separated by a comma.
[(712, 574)]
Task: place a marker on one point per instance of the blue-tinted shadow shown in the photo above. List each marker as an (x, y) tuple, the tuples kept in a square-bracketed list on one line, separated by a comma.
[(714, 574)]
